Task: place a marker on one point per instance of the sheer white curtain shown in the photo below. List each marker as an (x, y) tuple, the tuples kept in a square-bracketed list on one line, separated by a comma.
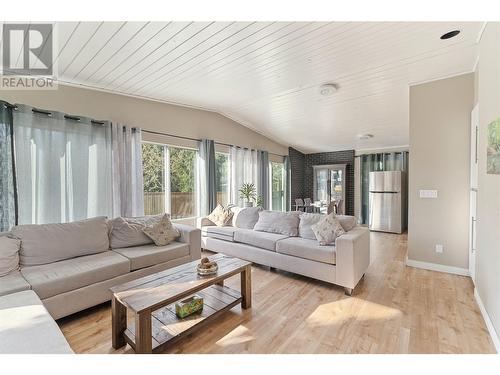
[(243, 169), (127, 181), (63, 167)]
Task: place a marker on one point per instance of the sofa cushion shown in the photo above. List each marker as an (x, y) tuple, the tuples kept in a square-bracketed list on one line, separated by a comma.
[(28, 328), (245, 218), (51, 279), (263, 240), (220, 233), (286, 223), (149, 255), (48, 243), (9, 255), (13, 282), (307, 249), (308, 219)]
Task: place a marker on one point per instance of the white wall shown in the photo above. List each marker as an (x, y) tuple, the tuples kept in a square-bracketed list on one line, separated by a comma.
[(488, 205), (439, 160), (145, 114)]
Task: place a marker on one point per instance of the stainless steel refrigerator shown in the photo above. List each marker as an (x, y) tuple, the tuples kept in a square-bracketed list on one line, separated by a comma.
[(388, 201)]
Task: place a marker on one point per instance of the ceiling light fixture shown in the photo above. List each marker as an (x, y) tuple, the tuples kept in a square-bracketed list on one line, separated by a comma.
[(450, 34), (328, 89), (365, 136)]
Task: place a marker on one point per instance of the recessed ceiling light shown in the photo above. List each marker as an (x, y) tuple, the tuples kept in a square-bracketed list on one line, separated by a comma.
[(365, 136), (450, 34), (328, 89)]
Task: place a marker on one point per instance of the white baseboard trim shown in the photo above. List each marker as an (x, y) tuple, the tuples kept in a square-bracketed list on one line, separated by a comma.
[(487, 320), (437, 267)]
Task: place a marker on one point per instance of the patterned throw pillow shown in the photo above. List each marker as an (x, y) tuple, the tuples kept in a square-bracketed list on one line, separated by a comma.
[(163, 232), (220, 216), (327, 229)]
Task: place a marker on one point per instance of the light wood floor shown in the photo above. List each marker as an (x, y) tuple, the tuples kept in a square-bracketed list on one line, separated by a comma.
[(395, 309)]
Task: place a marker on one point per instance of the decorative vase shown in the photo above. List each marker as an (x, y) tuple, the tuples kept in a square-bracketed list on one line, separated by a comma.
[(248, 204)]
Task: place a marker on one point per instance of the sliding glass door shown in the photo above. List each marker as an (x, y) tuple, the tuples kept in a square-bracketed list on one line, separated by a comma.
[(278, 186)]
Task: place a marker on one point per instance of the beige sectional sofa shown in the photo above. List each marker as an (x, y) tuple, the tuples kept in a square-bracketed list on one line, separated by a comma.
[(70, 267), (291, 248)]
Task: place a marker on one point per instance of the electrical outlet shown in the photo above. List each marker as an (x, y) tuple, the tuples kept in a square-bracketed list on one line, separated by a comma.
[(439, 248)]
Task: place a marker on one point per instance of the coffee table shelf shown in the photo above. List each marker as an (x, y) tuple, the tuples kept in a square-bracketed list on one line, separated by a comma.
[(152, 299), (167, 328)]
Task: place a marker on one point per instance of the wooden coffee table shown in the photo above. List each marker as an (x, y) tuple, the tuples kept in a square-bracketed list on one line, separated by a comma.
[(152, 300)]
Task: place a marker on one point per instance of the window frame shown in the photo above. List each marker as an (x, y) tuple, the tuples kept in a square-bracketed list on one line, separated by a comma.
[(167, 178), (283, 184)]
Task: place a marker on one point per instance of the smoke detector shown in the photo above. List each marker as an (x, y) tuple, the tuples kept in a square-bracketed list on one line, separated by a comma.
[(365, 136), (328, 89)]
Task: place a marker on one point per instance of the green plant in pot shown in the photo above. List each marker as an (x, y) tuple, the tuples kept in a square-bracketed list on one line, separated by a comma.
[(259, 201), (247, 192)]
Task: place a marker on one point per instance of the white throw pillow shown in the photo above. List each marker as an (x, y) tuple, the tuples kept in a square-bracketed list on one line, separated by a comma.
[(162, 233), (127, 231), (286, 223), (307, 220), (9, 255), (327, 229), (245, 218), (220, 216)]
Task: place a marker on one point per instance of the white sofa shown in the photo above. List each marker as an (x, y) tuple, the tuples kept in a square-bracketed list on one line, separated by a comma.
[(342, 263), (70, 267)]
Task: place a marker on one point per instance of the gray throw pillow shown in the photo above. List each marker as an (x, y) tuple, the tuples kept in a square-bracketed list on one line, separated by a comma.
[(286, 223), (9, 255), (328, 229)]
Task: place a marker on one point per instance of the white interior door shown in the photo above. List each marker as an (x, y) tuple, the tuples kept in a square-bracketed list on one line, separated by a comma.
[(474, 128)]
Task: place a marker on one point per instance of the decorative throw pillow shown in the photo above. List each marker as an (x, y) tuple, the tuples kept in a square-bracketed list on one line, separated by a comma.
[(9, 255), (327, 229), (127, 231), (286, 223), (246, 217), (162, 233), (220, 216)]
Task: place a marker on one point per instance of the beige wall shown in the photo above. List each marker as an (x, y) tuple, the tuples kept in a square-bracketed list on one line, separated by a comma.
[(146, 114), (488, 204), (439, 160)]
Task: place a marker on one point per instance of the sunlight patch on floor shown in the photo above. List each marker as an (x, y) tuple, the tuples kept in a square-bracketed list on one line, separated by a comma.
[(238, 335), (337, 312)]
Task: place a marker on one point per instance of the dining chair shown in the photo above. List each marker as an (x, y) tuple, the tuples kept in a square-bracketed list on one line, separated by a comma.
[(308, 207), (299, 204), (332, 207)]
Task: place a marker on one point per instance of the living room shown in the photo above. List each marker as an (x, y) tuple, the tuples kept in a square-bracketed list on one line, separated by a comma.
[(246, 186)]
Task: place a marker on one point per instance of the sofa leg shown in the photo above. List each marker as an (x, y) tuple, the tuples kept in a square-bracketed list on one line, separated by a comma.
[(348, 291), (272, 269)]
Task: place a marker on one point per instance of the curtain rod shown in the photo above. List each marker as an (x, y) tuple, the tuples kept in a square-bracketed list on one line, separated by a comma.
[(198, 140)]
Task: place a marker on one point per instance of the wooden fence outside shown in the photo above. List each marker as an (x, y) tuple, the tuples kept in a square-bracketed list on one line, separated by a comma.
[(182, 204)]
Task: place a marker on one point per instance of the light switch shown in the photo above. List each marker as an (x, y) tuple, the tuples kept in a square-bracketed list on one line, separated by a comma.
[(428, 193)]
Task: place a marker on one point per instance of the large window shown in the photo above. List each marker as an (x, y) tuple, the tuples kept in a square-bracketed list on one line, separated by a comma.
[(278, 186), (222, 177), (169, 180)]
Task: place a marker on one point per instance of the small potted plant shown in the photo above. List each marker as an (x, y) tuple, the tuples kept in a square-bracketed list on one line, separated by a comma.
[(258, 201), (247, 192)]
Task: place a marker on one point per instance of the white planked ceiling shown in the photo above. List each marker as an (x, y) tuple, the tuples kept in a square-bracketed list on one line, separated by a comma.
[(266, 75)]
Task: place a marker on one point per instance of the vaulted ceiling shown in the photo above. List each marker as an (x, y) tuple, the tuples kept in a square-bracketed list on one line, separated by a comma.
[(266, 75)]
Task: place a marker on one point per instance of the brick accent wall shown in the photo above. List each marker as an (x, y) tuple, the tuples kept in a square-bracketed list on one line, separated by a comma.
[(303, 175), (297, 166)]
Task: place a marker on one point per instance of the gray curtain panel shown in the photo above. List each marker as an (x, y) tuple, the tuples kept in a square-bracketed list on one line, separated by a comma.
[(388, 161), (208, 188), (126, 166), (8, 205), (263, 178), (288, 184)]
